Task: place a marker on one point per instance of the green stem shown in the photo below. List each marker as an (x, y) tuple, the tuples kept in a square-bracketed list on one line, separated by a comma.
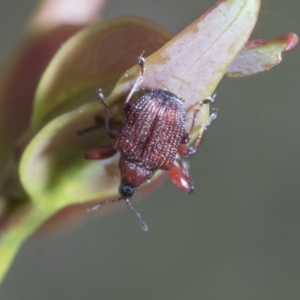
[(16, 230)]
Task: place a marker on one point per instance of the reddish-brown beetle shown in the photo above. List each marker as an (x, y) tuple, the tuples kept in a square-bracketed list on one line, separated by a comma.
[(152, 137)]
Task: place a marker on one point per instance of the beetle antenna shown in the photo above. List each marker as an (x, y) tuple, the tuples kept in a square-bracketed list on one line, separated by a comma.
[(138, 215), (97, 206), (142, 222)]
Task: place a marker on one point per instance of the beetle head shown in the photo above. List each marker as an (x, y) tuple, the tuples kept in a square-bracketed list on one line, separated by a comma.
[(126, 190)]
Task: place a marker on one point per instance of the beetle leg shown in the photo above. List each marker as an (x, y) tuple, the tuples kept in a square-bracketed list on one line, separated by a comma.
[(88, 129), (99, 153), (183, 149), (180, 176), (98, 124), (141, 62), (109, 131), (204, 127), (209, 100), (186, 138)]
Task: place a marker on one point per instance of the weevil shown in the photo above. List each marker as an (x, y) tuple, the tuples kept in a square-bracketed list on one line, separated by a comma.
[(153, 137)]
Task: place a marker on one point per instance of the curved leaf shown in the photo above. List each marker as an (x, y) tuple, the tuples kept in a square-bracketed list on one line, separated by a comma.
[(53, 170), (95, 57), (44, 36), (261, 55)]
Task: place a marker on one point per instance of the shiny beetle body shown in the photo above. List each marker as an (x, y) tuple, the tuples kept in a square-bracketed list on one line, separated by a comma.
[(150, 137), (153, 137)]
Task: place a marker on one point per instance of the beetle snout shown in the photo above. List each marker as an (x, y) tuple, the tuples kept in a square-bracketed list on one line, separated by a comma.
[(127, 191)]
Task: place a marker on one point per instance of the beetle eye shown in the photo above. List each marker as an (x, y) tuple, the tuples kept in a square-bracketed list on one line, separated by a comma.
[(127, 191)]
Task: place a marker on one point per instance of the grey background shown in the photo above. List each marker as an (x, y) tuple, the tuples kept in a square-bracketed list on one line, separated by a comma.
[(237, 237)]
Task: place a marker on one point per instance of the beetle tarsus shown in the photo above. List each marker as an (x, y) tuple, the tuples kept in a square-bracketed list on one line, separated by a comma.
[(109, 131), (210, 100), (141, 63), (204, 127), (100, 95), (212, 117)]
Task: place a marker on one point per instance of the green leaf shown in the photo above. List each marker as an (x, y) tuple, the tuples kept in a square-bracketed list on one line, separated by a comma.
[(261, 55), (53, 170), (50, 26), (95, 57), (19, 81)]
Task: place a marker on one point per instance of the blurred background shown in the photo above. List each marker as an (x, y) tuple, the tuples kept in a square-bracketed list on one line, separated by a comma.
[(237, 237)]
